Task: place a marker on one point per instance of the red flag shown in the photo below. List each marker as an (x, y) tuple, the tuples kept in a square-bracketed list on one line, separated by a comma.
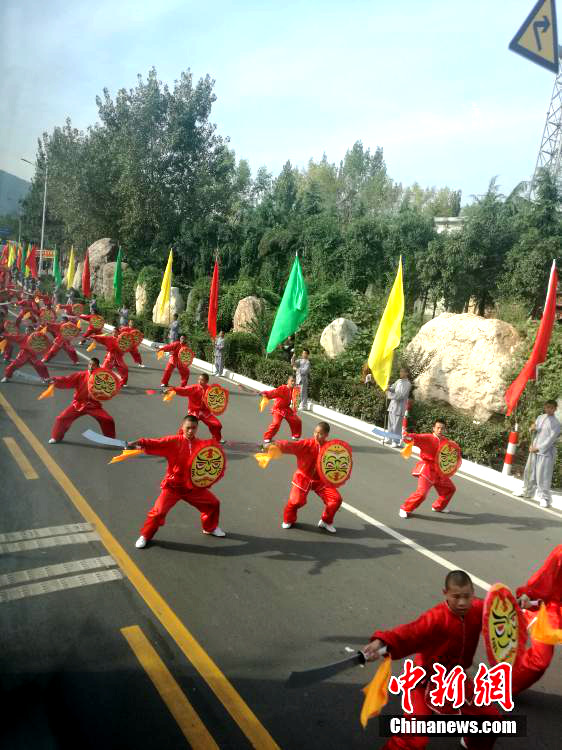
[(5, 254), (31, 261), (214, 302), (538, 355), (86, 289)]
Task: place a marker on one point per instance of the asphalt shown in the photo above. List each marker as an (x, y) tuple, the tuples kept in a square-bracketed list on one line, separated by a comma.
[(261, 602)]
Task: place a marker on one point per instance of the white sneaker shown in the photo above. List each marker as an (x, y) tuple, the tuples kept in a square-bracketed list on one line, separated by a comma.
[(4, 380), (286, 525), (436, 510), (266, 442), (125, 385), (140, 543), (52, 440), (403, 513), (463, 743), (215, 532), (544, 504), (328, 526), (521, 493), (142, 366), (294, 438), (222, 442)]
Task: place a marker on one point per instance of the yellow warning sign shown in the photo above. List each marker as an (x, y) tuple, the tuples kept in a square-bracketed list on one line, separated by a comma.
[(537, 39)]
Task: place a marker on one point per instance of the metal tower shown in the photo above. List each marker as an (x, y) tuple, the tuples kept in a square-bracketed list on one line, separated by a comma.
[(550, 152)]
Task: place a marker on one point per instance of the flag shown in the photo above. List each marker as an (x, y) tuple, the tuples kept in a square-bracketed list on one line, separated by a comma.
[(11, 256), (24, 258), (31, 262), (69, 277), (388, 333), (56, 269), (166, 283), (213, 302), (5, 254), (118, 280), (18, 261), (86, 289), (540, 348), (292, 310), (376, 692), (543, 629)]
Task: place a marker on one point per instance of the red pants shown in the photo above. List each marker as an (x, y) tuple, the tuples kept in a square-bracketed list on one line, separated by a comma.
[(8, 351), (294, 423), (329, 495), (421, 709), (444, 487), (204, 500), (113, 364), (67, 417), (23, 357), (55, 348), (536, 659), (183, 371), (135, 354), (91, 332), (214, 425)]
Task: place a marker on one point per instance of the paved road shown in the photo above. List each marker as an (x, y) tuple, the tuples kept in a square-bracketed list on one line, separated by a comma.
[(260, 602)]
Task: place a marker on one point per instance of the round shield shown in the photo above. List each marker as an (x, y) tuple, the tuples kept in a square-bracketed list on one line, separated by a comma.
[(125, 342), (185, 356), (137, 336), (503, 626), (216, 399), (97, 322), (207, 464), (448, 458), (335, 462), (103, 384), (47, 315), (77, 308), (69, 330), (38, 342), (10, 327)]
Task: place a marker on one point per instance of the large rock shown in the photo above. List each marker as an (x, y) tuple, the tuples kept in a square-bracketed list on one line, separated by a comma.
[(105, 275), (100, 253), (77, 281), (470, 354), (337, 336), (247, 310), (141, 298), (175, 305)]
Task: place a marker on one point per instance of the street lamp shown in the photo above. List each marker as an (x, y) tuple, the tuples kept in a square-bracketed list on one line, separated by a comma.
[(44, 210)]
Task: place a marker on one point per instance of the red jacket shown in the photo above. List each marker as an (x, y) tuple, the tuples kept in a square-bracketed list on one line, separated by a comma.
[(437, 636), (283, 398), (177, 449), (428, 443), (306, 452), (21, 340), (79, 381), (546, 583), (194, 393), (88, 318), (110, 343), (174, 349)]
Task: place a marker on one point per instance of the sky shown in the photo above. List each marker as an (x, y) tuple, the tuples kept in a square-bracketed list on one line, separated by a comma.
[(431, 82)]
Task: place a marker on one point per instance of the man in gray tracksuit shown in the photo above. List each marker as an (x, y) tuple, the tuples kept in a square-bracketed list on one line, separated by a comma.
[(542, 456), (219, 346), (302, 370), (398, 395)]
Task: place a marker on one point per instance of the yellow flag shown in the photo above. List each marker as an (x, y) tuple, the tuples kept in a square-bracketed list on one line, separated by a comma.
[(11, 256), (69, 278), (166, 284), (125, 455), (376, 692), (543, 631), (388, 333)]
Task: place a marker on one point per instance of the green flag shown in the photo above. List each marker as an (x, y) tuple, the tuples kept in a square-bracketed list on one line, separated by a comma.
[(292, 310), (118, 280), (56, 269)]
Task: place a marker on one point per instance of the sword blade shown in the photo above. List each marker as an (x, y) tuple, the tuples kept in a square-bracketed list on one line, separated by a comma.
[(96, 437), (310, 676), (386, 434)]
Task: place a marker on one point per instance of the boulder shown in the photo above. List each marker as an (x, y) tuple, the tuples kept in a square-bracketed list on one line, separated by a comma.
[(105, 277), (247, 310), (100, 253), (175, 305), (77, 281), (470, 355), (141, 298), (337, 336)]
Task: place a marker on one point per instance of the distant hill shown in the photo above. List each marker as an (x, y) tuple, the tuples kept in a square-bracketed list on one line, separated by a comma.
[(12, 190)]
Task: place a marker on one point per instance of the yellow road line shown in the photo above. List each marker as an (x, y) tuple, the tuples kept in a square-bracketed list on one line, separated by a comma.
[(181, 709), (242, 714), (20, 458)]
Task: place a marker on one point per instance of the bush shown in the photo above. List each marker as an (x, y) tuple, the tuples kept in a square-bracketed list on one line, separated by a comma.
[(354, 399), (236, 348), (108, 311), (128, 289), (272, 371)]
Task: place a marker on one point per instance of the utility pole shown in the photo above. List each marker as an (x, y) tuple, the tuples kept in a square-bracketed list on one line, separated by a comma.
[(44, 212)]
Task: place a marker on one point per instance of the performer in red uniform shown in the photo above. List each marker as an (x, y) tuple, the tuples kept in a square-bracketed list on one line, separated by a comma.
[(177, 484), (427, 474), (25, 354), (545, 585), (282, 409), (447, 634), (82, 404), (306, 479), (114, 357), (60, 342), (27, 305), (134, 352), (90, 330), (195, 394), (175, 362)]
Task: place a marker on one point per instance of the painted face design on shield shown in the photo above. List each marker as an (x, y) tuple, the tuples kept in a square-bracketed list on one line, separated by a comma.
[(38, 342), (207, 466), (185, 356), (215, 398), (336, 463), (103, 385), (125, 342), (448, 459), (504, 629)]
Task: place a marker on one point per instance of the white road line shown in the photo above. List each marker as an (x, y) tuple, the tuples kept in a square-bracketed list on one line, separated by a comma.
[(47, 571), (69, 528), (414, 545), (60, 584), (54, 541)]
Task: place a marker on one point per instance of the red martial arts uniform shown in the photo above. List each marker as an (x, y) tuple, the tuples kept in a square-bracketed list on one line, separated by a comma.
[(427, 474), (9, 344), (114, 357), (306, 479), (282, 409), (90, 330), (59, 343), (134, 352), (176, 485), (82, 405), (194, 394), (27, 306), (438, 636), (25, 354), (174, 362), (546, 585)]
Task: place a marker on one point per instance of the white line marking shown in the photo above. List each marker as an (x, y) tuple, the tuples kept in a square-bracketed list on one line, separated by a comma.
[(69, 528), (54, 541), (59, 584), (414, 545), (47, 571)]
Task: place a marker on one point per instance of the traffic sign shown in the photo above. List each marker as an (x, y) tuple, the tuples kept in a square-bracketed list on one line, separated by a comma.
[(537, 39)]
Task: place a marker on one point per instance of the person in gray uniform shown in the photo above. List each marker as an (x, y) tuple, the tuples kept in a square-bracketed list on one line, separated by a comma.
[(219, 346), (542, 457), (301, 367), (123, 316), (398, 394), (174, 332)]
